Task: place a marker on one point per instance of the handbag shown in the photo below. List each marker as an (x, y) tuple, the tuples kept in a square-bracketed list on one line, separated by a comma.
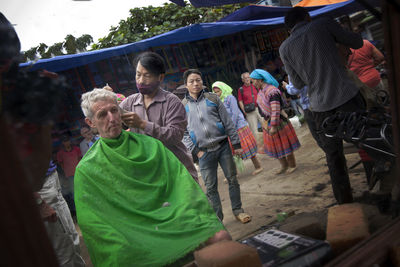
[(249, 107)]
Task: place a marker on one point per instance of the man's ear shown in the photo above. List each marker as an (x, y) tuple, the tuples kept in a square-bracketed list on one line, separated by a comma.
[(90, 123), (162, 76)]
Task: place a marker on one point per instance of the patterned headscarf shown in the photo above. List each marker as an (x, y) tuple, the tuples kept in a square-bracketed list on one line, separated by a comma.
[(226, 89), (120, 98), (265, 76)]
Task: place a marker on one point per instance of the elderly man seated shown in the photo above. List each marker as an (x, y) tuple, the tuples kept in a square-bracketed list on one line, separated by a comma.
[(137, 205)]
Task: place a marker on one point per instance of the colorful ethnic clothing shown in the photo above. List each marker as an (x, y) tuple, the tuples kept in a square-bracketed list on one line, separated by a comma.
[(137, 205), (285, 140), (282, 143), (248, 143), (247, 140)]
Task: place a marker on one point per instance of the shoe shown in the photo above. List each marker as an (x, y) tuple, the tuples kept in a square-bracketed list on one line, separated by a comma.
[(243, 217)]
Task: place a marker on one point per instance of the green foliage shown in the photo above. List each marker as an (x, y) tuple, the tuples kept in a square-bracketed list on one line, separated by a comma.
[(150, 21), (31, 54), (70, 45), (143, 23)]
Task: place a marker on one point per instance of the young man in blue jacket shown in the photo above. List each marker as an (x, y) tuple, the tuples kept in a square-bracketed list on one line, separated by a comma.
[(209, 126)]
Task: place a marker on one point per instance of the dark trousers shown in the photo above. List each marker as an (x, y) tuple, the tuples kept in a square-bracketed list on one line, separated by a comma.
[(312, 126), (333, 148)]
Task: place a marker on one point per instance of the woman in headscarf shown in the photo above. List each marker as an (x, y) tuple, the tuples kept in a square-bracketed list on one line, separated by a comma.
[(280, 139), (247, 140)]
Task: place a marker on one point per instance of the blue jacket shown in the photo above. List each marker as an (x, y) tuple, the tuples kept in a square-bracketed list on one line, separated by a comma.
[(209, 123)]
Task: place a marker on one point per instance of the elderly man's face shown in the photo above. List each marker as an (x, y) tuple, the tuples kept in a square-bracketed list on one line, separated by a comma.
[(246, 79), (106, 118)]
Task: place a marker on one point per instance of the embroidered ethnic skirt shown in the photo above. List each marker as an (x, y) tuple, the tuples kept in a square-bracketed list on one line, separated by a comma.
[(283, 142), (247, 142)]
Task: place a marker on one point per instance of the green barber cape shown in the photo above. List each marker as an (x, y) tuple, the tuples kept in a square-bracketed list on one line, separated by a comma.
[(137, 205)]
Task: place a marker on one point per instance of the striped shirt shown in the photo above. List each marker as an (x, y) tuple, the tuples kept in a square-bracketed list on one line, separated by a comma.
[(311, 58)]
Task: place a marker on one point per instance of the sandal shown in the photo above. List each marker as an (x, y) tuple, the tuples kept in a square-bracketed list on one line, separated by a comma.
[(257, 171), (243, 217), (291, 169)]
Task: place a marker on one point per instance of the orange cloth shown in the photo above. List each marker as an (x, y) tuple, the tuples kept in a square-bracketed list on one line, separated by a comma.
[(361, 62), (318, 2)]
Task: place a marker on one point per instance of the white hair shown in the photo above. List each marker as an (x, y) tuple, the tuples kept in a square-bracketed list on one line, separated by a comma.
[(241, 75), (97, 94)]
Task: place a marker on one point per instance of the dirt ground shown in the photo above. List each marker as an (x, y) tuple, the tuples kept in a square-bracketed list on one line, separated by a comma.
[(306, 192)]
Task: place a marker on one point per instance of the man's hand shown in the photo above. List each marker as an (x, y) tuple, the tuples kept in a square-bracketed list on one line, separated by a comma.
[(47, 213), (273, 130), (131, 119), (238, 151), (200, 154), (284, 84)]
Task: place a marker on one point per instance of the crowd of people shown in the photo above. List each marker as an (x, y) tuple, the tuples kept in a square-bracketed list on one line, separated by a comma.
[(132, 184)]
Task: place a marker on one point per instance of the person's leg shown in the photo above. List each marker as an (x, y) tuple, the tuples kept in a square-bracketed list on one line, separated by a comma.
[(251, 118), (67, 189), (312, 126), (257, 165), (333, 148), (284, 165), (228, 166), (294, 106), (291, 163), (208, 168), (299, 107)]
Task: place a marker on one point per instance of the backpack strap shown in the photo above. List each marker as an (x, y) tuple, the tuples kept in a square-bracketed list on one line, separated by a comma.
[(212, 97)]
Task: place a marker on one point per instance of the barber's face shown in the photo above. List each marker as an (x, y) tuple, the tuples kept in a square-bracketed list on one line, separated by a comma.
[(106, 118)]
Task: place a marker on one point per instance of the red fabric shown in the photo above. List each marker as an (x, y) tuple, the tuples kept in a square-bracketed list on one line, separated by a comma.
[(246, 97), (364, 155), (247, 142), (282, 143), (361, 62), (69, 160)]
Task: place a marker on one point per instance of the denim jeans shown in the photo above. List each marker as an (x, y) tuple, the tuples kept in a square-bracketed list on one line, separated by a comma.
[(295, 103), (208, 167)]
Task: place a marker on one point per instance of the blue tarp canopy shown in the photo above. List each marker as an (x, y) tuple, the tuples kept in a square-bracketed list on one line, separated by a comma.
[(186, 34), (208, 3), (256, 12)]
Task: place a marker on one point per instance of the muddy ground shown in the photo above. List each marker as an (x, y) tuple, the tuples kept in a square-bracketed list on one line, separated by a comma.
[(307, 192), (304, 194)]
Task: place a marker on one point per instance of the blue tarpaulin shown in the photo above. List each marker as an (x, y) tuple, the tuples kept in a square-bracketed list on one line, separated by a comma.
[(182, 35), (256, 12), (209, 3)]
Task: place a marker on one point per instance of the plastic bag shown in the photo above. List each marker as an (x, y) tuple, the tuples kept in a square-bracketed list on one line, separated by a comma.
[(239, 163)]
